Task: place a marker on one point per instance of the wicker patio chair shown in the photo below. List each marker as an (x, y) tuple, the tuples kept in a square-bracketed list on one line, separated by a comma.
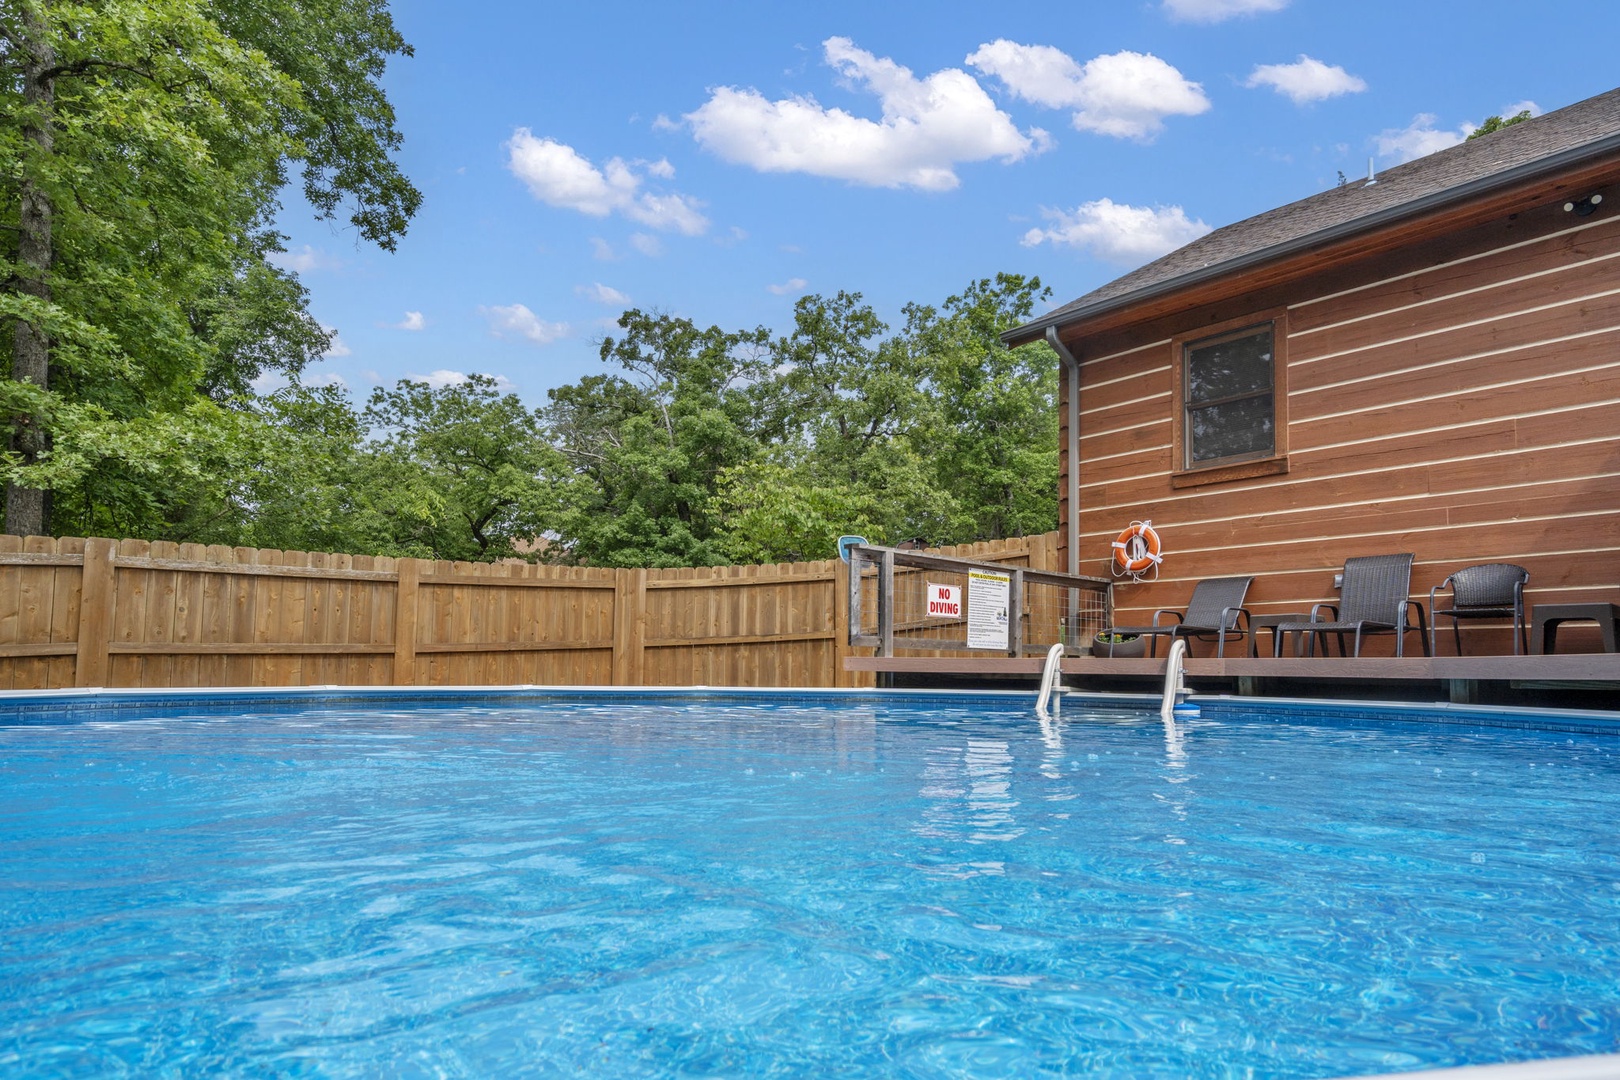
[(1373, 600), (1215, 611), (1487, 591)]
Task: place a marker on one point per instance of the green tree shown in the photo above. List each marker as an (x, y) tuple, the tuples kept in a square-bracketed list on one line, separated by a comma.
[(992, 444), (457, 472), (1497, 123), (277, 472), (143, 147), (844, 412), (645, 453)]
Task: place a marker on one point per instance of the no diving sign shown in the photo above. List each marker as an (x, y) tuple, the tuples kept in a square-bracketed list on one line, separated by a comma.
[(944, 601)]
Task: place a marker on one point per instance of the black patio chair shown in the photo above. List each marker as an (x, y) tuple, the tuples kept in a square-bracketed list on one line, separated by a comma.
[(1487, 591), (1215, 611), (1374, 599)]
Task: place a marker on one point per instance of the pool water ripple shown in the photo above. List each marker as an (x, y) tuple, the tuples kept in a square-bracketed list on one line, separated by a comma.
[(716, 889)]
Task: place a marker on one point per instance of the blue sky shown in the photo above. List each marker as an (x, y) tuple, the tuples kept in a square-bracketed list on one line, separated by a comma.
[(719, 160)]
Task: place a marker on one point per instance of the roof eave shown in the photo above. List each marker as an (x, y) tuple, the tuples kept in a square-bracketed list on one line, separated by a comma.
[(1031, 331)]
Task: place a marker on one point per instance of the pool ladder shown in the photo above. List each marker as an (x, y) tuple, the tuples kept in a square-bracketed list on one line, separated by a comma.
[(1051, 680), (1175, 681)]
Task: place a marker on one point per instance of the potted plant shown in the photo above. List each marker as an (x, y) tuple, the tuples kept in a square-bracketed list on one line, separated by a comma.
[(1118, 645)]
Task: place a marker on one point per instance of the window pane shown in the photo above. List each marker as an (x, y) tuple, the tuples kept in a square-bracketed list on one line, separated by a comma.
[(1229, 368), (1231, 429)]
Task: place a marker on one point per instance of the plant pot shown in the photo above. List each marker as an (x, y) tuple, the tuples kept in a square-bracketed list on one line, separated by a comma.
[(1130, 648)]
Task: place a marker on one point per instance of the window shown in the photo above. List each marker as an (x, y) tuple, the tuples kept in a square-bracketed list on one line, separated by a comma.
[(1229, 399)]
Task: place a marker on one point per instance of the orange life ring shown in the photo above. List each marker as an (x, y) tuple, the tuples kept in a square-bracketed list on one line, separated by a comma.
[(1137, 549)]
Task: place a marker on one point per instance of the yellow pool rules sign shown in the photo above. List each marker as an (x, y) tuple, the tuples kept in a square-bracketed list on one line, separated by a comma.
[(987, 609)]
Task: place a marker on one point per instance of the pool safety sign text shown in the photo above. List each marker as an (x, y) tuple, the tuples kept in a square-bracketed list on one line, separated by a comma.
[(988, 597), (944, 601)]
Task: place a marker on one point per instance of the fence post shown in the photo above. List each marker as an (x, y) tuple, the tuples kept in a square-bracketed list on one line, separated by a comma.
[(629, 627), (96, 598), (1015, 613), (840, 619), (410, 573), (885, 603)]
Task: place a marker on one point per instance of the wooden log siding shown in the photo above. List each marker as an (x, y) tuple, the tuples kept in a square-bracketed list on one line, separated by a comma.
[(129, 613), (1456, 398)]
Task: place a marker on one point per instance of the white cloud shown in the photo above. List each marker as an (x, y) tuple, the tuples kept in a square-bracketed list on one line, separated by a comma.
[(1212, 11), (517, 320), (413, 321), (660, 168), (602, 294), (337, 348), (602, 251), (303, 260), (927, 127), (557, 175), (271, 381), (1118, 232), (1124, 94), (1306, 80), (1520, 106), (1419, 138), (791, 285), (649, 246), (443, 377), (664, 123)]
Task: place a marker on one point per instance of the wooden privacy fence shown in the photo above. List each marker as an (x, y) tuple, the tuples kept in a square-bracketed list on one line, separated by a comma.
[(129, 613)]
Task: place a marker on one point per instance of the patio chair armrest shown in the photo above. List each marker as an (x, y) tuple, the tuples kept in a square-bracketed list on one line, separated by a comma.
[(1232, 624), (1444, 584), (1166, 611), (1408, 606), (1315, 608)]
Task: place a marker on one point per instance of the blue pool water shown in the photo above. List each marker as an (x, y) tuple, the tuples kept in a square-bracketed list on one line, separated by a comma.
[(725, 887)]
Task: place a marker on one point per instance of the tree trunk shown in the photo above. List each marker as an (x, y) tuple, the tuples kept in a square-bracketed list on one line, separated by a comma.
[(27, 509)]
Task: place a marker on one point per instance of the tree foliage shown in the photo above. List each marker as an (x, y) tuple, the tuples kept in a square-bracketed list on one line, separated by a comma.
[(143, 146), (458, 472), (1497, 123)]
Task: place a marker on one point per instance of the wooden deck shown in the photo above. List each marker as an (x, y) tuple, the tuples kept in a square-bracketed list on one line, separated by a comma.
[(1463, 679)]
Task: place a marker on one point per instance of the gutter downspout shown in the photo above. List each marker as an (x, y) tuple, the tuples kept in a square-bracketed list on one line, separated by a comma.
[(1071, 370)]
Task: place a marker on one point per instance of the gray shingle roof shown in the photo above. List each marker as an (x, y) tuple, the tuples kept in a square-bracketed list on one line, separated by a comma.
[(1456, 172)]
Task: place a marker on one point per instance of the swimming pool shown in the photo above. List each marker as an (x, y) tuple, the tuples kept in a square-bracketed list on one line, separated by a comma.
[(790, 885)]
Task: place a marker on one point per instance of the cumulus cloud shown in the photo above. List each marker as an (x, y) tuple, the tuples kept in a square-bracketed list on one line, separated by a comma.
[(1419, 138), (413, 321), (602, 294), (1124, 94), (518, 321), (791, 285), (648, 245), (1117, 232), (443, 377), (337, 348), (602, 251), (1306, 80), (303, 260), (1213, 11), (928, 126), (558, 175)]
